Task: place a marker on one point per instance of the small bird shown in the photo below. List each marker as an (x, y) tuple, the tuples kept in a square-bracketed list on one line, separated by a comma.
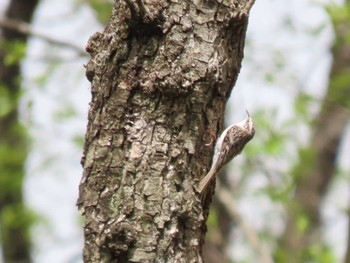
[(230, 143)]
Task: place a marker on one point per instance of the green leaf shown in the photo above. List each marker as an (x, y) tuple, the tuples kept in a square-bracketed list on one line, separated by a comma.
[(6, 104), (15, 51), (78, 140), (321, 254), (302, 223), (103, 9), (212, 218)]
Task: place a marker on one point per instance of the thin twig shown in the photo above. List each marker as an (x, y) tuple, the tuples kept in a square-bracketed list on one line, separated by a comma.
[(226, 199), (25, 28)]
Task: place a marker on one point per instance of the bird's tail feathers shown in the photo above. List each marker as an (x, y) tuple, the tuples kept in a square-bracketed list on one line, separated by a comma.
[(203, 184)]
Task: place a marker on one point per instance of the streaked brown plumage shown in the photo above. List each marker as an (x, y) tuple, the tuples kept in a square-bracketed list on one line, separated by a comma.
[(230, 143)]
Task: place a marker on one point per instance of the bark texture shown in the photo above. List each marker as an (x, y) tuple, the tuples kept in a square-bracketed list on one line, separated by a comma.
[(14, 219), (161, 73), (317, 165)]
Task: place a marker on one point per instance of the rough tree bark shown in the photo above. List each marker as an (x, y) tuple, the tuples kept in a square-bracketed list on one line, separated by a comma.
[(317, 165), (14, 221), (161, 74)]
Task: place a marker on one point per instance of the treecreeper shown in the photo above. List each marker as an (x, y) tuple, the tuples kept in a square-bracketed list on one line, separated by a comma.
[(230, 143)]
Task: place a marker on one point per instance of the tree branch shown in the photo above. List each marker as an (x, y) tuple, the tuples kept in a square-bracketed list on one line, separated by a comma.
[(25, 28)]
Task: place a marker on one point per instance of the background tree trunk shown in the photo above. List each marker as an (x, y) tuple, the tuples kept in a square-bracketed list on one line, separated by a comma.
[(218, 235), (14, 219), (161, 74)]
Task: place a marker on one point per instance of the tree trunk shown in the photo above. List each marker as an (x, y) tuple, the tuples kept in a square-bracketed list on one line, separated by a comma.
[(161, 74), (14, 219)]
